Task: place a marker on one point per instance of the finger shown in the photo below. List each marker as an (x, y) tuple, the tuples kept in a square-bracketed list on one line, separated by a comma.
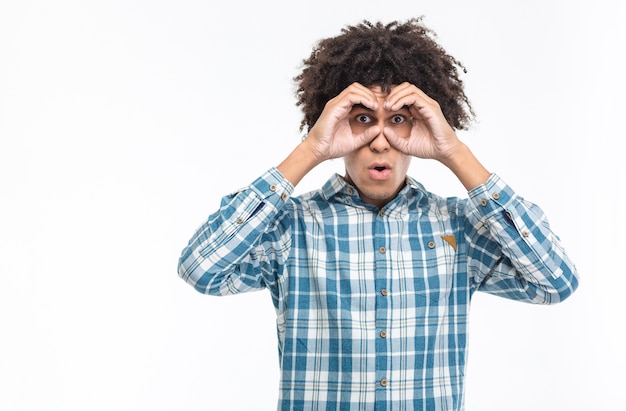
[(399, 92), (408, 88), (367, 136), (407, 94), (399, 143), (356, 93), (339, 107)]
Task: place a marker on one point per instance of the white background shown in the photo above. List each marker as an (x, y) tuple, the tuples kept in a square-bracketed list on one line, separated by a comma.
[(122, 123)]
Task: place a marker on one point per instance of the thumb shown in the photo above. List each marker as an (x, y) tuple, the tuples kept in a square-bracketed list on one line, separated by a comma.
[(399, 143), (367, 136)]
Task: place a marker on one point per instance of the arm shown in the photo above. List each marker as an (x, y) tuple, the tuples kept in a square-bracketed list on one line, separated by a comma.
[(432, 137), (332, 136), (227, 254), (245, 239), (512, 252)]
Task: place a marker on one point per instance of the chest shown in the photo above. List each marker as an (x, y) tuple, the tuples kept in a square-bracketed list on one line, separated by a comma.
[(364, 261)]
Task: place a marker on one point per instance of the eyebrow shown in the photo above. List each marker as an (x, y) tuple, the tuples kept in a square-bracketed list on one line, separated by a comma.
[(359, 105)]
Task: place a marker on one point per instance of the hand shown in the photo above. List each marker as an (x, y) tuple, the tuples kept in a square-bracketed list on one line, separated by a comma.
[(431, 136), (331, 136)]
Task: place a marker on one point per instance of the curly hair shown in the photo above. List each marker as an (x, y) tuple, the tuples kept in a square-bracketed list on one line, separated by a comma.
[(382, 55)]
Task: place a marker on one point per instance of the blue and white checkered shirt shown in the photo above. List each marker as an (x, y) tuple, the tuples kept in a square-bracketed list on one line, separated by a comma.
[(372, 305)]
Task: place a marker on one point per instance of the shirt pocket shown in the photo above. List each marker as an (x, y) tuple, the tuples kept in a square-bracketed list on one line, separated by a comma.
[(427, 269)]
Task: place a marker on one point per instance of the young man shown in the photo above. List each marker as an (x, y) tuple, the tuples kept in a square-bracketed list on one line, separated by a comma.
[(372, 275)]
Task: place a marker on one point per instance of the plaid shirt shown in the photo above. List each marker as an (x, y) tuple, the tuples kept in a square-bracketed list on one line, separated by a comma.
[(372, 305)]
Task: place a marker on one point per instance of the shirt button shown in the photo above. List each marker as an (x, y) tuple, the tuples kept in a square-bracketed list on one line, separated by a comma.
[(284, 196), (383, 334), (525, 233), (384, 292), (382, 250), (239, 220), (431, 244), (273, 187), (496, 196), (384, 382), (483, 202), (350, 191), (381, 213)]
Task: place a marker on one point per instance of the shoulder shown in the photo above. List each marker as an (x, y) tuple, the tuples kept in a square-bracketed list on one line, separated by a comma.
[(431, 203)]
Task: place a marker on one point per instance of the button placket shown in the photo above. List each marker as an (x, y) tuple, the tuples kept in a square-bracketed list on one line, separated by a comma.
[(382, 302)]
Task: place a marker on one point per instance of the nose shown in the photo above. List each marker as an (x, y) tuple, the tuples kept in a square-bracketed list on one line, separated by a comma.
[(380, 144)]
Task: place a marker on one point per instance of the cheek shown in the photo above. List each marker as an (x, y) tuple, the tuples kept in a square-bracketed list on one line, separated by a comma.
[(404, 163), (349, 162), (405, 129), (353, 164), (358, 127)]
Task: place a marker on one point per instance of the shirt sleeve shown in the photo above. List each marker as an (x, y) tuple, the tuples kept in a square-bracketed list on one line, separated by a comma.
[(513, 252), (230, 252)]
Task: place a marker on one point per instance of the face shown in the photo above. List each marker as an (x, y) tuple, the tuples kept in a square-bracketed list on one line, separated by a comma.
[(378, 170)]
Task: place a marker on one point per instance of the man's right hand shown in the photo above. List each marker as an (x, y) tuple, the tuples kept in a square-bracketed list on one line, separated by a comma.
[(331, 136)]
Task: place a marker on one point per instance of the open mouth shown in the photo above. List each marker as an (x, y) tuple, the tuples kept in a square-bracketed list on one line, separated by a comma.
[(380, 171)]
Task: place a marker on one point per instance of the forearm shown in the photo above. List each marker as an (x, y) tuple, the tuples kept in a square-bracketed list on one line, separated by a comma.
[(466, 167), (533, 265), (298, 163), (219, 257)]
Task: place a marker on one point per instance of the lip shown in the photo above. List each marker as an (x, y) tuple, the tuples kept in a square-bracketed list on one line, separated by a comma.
[(379, 171)]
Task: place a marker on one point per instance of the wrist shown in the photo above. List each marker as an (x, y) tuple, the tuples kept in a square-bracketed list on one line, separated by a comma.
[(457, 155), (462, 162), (310, 152), (298, 163)]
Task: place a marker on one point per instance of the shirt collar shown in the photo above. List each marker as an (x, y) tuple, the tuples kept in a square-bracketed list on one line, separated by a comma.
[(337, 189)]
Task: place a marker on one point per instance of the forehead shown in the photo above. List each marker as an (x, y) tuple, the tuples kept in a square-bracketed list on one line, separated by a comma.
[(378, 91)]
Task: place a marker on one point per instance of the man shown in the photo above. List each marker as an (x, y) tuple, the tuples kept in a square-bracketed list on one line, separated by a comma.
[(372, 275)]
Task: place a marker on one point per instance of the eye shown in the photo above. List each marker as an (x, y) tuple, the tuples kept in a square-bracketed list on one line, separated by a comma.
[(363, 118), (398, 119)]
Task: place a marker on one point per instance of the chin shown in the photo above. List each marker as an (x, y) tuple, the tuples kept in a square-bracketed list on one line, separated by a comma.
[(379, 195)]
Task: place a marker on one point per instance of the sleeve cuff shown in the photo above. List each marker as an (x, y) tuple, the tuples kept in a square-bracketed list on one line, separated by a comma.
[(272, 186), (492, 197)]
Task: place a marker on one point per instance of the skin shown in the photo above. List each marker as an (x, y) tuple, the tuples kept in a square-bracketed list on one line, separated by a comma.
[(368, 128), (377, 169)]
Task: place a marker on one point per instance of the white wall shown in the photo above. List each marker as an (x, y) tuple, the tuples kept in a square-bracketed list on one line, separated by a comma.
[(122, 123)]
